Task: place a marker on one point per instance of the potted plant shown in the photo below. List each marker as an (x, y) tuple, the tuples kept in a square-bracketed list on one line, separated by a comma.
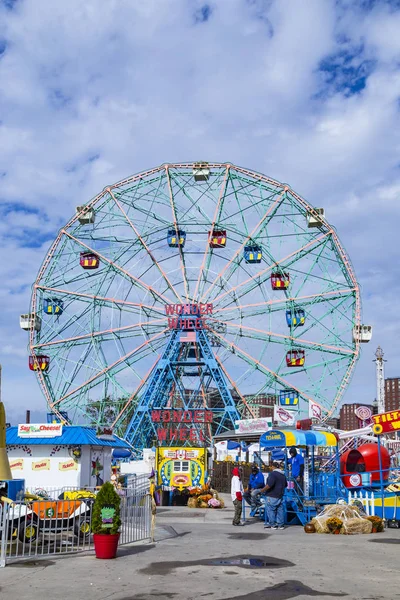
[(377, 524), (334, 525), (106, 521)]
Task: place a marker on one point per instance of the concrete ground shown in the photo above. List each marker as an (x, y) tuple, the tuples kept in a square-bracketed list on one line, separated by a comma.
[(199, 554)]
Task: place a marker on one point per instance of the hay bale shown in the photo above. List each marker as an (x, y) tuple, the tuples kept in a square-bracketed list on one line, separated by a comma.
[(356, 526), (320, 524)]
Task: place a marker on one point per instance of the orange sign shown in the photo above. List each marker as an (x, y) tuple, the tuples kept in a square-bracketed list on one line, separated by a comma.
[(41, 465), (386, 422), (69, 465), (17, 464)]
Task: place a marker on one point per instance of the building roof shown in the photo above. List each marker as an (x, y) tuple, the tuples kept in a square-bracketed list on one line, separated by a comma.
[(294, 437), (232, 434), (72, 435)]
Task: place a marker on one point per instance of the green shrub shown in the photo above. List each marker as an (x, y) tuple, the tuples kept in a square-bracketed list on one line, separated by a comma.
[(106, 507)]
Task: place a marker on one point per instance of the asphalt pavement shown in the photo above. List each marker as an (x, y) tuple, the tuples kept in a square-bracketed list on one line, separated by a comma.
[(199, 555)]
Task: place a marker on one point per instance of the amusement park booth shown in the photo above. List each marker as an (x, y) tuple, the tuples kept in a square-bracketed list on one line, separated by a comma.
[(322, 483), (56, 455)]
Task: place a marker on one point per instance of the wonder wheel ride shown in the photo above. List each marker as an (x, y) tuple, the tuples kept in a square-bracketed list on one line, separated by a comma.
[(194, 285)]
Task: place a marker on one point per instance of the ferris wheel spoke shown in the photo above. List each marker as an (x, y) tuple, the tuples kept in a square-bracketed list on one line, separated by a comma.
[(253, 332), (305, 300), (235, 387), (129, 276), (113, 365), (253, 361), (135, 393), (145, 246), (113, 331), (259, 227), (260, 277), (109, 301), (217, 213), (176, 225)]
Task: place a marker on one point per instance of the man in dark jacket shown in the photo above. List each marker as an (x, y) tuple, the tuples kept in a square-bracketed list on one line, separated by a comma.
[(274, 491), (256, 483)]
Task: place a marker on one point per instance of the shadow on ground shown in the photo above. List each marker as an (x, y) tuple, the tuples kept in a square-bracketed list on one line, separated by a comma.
[(284, 591), (281, 591), (386, 541), (245, 562), (248, 536)]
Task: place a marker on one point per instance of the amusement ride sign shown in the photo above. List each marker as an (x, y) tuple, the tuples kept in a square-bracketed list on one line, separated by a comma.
[(388, 422), (187, 316), (181, 425)]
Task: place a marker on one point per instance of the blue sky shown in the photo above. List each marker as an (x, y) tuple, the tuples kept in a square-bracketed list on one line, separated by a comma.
[(305, 92)]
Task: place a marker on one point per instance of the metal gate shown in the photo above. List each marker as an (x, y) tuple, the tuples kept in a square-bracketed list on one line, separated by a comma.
[(52, 527)]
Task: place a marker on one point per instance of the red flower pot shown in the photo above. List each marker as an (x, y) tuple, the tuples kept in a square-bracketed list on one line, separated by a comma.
[(105, 546)]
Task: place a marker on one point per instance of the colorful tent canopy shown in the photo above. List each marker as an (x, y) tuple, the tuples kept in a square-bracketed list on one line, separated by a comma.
[(278, 438)]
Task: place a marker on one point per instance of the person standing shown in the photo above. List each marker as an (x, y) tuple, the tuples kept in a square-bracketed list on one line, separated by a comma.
[(237, 496), (256, 482), (297, 462), (274, 491)]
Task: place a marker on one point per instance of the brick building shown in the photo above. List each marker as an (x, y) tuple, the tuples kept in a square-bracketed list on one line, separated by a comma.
[(392, 393), (262, 405), (348, 419)]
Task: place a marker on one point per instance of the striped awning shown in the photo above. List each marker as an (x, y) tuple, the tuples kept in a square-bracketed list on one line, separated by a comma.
[(278, 438)]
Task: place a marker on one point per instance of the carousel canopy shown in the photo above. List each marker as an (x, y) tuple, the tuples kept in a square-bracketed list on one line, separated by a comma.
[(277, 438)]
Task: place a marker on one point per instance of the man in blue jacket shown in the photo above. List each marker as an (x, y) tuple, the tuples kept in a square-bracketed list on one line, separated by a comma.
[(297, 462), (275, 491), (256, 483)]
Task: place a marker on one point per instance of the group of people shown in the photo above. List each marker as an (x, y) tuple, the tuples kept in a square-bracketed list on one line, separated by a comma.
[(273, 488)]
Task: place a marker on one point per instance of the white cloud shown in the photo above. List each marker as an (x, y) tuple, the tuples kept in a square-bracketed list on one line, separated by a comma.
[(138, 84)]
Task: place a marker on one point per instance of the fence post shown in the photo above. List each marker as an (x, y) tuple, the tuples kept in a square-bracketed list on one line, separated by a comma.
[(4, 535)]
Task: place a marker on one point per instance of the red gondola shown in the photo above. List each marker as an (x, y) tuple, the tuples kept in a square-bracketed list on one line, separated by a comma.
[(89, 260), (280, 281), (295, 358), (217, 238), (39, 362)]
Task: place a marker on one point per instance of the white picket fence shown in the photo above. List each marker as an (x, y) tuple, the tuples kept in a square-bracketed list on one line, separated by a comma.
[(366, 498)]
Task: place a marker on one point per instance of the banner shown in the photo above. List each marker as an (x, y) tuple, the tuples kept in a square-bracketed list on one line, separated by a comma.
[(314, 411), (69, 465), (41, 465), (253, 425), (17, 464), (282, 416), (30, 430)]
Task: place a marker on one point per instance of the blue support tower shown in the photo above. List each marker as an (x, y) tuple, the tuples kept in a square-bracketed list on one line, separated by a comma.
[(166, 389)]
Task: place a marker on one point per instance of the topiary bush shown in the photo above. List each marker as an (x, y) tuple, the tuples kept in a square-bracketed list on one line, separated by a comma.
[(106, 510)]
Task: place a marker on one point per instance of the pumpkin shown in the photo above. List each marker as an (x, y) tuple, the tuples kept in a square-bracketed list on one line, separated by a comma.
[(309, 528)]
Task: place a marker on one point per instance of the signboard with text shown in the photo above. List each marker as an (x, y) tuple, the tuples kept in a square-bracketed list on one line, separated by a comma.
[(253, 425), (388, 422), (179, 425), (39, 430)]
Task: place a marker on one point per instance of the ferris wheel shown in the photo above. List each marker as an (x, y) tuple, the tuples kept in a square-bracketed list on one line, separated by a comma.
[(195, 249)]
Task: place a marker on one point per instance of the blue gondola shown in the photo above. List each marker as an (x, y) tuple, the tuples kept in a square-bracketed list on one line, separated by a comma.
[(288, 398), (252, 254), (176, 238), (295, 317), (53, 306)]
